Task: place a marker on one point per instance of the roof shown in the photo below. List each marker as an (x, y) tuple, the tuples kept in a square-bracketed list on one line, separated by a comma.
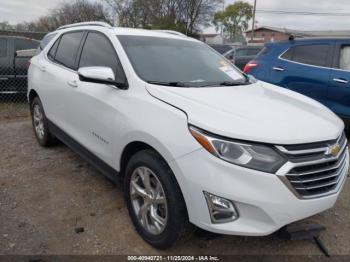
[(303, 33), (154, 33), (309, 40), (125, 30)]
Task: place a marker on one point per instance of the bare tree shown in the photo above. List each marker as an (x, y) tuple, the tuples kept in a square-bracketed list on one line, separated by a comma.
[(181, 15), (67, 13)]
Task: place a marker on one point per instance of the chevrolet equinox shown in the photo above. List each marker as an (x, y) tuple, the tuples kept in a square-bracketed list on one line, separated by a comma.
[(193, 139)]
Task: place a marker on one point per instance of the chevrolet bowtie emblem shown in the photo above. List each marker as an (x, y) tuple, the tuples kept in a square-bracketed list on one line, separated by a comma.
[(333, 150)]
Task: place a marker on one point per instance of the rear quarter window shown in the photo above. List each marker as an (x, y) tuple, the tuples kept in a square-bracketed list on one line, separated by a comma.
[(46, 40)]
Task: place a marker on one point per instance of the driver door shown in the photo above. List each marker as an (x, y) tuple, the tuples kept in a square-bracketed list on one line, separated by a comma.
[(96, 105)]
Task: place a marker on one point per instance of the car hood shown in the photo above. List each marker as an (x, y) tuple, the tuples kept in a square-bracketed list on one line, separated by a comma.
[(257, 112)]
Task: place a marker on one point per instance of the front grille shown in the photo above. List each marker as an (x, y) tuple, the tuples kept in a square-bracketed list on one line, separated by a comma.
[(312, 171)]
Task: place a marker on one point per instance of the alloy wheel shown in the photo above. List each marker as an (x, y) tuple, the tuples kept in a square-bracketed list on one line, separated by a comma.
[(148, 200)]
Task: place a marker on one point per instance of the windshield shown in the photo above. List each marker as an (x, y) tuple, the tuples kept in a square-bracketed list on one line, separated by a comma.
[(178, 62)]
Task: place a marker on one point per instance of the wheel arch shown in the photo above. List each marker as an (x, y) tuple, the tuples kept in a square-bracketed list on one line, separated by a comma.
[(31, 95), (136, 146), (131, 149)]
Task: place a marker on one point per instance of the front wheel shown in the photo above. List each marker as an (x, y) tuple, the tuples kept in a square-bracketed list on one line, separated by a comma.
[(154, 200)]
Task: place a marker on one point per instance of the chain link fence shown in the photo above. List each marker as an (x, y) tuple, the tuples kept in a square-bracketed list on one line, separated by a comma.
[(16, 49)]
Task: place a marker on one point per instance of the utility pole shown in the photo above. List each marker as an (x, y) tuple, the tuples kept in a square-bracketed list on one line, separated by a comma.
[(222, 26), (253, 26)]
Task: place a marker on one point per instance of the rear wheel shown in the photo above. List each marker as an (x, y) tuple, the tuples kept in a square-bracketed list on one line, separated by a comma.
[(40, 123), (154, 200)]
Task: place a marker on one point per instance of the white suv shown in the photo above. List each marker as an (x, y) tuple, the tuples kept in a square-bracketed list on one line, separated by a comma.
[(193, 139)]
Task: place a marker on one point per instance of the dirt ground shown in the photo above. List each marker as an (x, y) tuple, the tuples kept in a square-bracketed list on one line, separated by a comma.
[(45, 194)]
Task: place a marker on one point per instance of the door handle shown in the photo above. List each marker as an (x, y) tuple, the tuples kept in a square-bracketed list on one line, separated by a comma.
[(279, 69), (341, 81), (72, 83), (42, 68)]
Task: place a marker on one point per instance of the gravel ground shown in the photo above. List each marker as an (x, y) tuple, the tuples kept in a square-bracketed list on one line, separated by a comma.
[(45, 194)]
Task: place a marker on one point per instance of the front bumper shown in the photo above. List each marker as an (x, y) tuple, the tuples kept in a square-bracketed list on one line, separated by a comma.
[(264, 202)]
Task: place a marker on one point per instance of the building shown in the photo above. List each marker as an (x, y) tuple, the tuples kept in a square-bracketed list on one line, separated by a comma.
[(265, 34), (211, 38)]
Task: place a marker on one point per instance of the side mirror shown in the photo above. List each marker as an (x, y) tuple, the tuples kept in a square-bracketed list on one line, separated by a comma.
[(99, 75)]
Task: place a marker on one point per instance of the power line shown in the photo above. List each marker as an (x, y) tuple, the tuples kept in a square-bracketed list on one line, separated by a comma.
[(309, 13)]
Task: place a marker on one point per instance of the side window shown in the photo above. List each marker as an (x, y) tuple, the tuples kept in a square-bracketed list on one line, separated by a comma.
[(98, 51), (3, 47), (53, 50), (344, 62), (241, 52), (288, 55), (68, 49), (253, 51), (311, 54), (23, 44)]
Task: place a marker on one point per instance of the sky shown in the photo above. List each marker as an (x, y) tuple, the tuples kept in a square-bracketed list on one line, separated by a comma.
[(26, 10)]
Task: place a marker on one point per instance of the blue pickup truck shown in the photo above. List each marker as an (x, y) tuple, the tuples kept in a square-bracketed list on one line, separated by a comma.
[(316, 67)]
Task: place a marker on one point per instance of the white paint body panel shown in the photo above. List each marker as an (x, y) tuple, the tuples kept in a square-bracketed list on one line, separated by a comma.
[(159, 116)]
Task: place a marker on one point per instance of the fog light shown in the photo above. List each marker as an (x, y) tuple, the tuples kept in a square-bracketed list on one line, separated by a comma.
[(221, 210)]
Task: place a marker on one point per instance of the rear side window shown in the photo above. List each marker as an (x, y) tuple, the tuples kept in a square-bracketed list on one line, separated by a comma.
[(345, 58), (98, 51), (23, 44), (316, 55), (68, 49), (3, 47)]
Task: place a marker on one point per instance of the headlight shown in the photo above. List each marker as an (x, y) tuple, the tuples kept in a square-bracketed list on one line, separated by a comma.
[(250, 155)]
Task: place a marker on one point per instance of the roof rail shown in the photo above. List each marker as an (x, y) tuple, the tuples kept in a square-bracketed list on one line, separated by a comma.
[(171, 32), (92, 23)]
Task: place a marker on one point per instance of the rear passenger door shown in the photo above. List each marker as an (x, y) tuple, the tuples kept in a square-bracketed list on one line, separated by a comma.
[(58, 77), (304, 68), (339, 90)]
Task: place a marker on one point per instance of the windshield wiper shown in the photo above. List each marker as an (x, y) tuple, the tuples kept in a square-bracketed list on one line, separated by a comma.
[(225, 83), (233, 83), (177, 84)]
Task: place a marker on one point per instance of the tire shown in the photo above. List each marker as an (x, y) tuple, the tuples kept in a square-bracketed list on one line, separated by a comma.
[(40, 124), (171, 209)]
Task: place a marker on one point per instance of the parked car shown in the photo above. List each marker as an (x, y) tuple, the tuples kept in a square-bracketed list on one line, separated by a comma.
[(316, 67), (240, 56), (222, 49), (14, 64), (193, 140)]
